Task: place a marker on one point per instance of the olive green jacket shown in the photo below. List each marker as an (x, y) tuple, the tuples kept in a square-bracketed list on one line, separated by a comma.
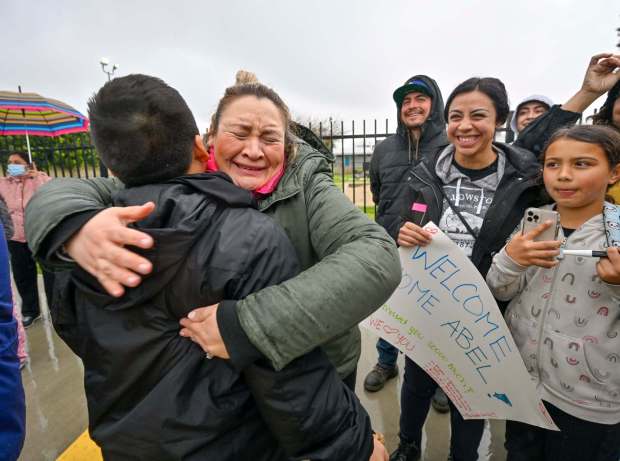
[(350, 265)]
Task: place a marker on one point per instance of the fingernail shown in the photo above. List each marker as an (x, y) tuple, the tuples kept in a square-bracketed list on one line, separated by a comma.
[(191, 315), (132, 280), (145, 241), (143, 268)]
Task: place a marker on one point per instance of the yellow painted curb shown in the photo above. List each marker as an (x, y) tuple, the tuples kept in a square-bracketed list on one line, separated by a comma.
[(82, 449)]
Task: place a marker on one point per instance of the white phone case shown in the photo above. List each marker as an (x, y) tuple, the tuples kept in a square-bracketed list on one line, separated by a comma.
[(534, 217)]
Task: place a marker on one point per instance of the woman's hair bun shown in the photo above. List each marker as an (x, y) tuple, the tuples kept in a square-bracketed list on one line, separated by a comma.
[(244, 77)]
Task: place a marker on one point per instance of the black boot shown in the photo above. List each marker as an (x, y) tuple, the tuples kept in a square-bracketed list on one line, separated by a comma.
[(406, 451), (376, 379)]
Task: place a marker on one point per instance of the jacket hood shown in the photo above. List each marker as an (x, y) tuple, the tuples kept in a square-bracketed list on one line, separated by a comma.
[(185, 207), (534, 97), (448, 173), (307, 136), (435, 124), (218, 186)]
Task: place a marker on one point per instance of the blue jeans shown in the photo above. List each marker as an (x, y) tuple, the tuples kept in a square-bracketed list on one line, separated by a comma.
[(578, 440), (387, 354), (415, 400)]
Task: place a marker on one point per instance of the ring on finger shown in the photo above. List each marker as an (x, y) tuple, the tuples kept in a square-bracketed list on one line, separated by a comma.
[(208, 355)]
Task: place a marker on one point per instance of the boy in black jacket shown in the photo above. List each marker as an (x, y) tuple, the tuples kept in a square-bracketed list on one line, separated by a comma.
[(151, 393)]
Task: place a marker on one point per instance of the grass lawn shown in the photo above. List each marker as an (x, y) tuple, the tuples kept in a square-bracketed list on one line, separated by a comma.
[(370, 211)]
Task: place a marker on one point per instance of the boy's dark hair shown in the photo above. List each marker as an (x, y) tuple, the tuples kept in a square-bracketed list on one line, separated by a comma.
[(604, 136), (605, 114), (142, 129), (492, 87)]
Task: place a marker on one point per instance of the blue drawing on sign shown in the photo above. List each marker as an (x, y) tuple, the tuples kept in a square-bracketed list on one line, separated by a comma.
[(503, 397)]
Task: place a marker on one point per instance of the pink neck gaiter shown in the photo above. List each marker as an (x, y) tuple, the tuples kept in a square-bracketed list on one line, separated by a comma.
[(260, 192)]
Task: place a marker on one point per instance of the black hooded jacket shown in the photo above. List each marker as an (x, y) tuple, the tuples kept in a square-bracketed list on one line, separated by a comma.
[(395, 155), (151, 393)]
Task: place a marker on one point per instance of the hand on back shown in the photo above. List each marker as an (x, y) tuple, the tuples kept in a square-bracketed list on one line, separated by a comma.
[(201, 326), (99, 247)]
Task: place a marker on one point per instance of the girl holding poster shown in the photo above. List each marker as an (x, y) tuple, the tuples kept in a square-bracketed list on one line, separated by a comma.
[(565, 312)]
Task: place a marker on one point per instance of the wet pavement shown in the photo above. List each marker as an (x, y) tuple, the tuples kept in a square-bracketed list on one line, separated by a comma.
[(56, 407), (55, 404)]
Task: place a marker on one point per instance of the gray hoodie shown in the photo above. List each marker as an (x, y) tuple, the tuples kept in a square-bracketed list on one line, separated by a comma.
[(471, 198), (566, 324)]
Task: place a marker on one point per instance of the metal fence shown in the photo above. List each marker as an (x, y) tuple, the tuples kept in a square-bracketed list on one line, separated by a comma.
[(70, 155), (352, 145)]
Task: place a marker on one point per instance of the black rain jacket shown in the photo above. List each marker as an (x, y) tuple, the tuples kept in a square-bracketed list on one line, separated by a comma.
[(151, 393)]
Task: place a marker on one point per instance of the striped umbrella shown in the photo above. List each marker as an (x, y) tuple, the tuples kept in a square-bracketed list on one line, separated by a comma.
[(33, 115)]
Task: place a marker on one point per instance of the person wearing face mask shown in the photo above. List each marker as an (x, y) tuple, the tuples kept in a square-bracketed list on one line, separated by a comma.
[(21, 182)]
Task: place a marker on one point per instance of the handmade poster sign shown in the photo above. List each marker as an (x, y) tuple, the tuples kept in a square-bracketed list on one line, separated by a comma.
[(443, 316)]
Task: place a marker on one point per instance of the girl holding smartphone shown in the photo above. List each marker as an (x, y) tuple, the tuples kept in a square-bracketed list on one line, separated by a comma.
[(565, 313)]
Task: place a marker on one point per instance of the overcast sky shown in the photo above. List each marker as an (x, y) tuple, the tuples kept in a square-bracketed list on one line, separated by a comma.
[(325, 58)]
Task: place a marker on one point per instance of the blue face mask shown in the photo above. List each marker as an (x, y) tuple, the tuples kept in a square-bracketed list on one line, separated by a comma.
[(15, 169)]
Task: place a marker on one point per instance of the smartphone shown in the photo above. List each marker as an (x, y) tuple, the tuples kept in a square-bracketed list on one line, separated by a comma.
[(534, 217)]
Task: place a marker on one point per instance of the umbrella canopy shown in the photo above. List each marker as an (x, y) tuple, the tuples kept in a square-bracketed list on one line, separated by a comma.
[(34, 115)]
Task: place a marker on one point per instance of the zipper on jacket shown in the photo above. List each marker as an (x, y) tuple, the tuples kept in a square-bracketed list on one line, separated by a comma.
[(409, 147), (417, 147), (429, 184)]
